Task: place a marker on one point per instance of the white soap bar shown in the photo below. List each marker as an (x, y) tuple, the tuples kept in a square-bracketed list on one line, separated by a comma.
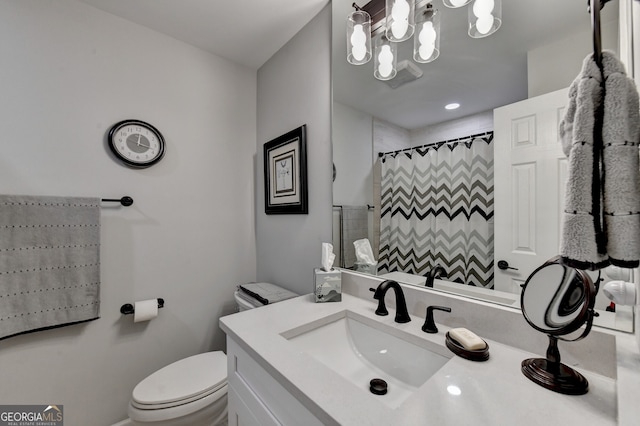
[(468, 339)]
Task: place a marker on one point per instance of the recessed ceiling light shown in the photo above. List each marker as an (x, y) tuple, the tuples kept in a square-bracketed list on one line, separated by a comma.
[(454, 390), (452, 106)]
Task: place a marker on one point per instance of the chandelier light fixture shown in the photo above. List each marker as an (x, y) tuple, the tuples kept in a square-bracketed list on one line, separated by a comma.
[(395, 21)]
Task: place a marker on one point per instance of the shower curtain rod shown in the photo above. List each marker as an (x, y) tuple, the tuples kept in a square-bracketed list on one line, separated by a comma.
[(447, 142)]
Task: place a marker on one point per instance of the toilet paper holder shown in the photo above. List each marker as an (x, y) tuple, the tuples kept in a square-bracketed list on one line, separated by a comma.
[(127, 308)]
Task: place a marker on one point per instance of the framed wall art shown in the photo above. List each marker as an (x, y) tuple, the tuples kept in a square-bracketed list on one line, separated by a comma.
[(285, 173)]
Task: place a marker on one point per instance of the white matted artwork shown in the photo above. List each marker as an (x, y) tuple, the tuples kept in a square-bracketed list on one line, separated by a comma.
[(285, 172)]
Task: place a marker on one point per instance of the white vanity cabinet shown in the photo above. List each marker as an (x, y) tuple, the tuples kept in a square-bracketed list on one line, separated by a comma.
[(256, 398), (273, 380)]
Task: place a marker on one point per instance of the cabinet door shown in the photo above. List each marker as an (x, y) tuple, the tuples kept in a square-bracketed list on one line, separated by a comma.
[(241, 415), (264, 397)]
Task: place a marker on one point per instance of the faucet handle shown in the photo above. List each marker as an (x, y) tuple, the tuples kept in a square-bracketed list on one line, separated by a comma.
[(382, 309), (429, 324)]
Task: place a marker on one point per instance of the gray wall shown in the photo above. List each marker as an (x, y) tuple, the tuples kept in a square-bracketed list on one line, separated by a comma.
[(352, 155), (554, 66), (67, 73), (458, 128), (294, 88)]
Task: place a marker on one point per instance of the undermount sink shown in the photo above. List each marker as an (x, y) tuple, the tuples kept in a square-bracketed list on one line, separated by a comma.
[(361, 349)]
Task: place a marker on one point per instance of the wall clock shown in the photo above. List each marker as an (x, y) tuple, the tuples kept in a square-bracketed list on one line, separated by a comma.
[(136, 143)]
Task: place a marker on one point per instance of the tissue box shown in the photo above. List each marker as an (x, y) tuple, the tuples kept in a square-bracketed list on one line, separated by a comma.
[(367, 268), (328, 285)]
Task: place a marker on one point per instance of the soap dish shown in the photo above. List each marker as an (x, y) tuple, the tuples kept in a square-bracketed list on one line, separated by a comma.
[(458, 349)]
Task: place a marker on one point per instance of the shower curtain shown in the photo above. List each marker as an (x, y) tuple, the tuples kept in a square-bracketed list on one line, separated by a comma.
[(437, 209)]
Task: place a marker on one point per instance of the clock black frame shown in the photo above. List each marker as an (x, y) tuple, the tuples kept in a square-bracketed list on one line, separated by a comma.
[(136, 165)]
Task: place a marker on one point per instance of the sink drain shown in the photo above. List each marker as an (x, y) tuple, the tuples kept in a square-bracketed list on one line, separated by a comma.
[(378, 386)]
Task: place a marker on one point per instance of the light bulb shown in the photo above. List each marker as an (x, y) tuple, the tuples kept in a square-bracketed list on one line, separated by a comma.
[(385, 55), (427, 34), (484, 24), (400, 10), (358, 43), (385, 61), (399, 19), (359, 52), (399, 28), (483, 8), (427, 38), (385, 69), (426, 50), (358, 37)]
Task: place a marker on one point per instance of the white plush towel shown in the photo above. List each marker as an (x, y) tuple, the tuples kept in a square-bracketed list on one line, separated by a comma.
[(603, 189)]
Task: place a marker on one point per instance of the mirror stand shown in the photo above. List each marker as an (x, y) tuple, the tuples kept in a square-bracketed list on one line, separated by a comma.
[(557, 300), (552, 374)]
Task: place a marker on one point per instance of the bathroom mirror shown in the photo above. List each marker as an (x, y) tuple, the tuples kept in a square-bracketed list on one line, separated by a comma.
[(535, 52), (557, 300)]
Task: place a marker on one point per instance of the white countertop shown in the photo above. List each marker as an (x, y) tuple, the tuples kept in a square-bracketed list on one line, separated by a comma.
[(494, 392)]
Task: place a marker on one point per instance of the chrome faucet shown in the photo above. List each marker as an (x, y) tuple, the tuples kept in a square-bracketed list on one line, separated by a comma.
[(401, 305), (436, 272)]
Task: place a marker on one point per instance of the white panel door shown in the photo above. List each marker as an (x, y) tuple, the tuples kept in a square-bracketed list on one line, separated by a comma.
[(530, 172)]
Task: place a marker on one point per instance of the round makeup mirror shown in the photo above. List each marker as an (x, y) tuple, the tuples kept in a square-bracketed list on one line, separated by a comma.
[(557, 300)]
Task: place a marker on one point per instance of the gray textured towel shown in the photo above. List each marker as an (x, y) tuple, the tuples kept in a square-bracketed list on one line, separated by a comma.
[(266, 293), (618, 168), (49, 262)]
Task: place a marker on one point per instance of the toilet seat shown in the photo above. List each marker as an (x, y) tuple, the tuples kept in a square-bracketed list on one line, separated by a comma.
[(161, 406), (206, 410), (185, 381)]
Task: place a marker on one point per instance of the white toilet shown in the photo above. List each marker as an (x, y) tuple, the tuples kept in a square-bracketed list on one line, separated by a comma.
[(197, 394), (191, 391)]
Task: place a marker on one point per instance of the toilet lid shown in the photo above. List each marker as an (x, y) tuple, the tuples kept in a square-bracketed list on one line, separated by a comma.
[(186, 378)]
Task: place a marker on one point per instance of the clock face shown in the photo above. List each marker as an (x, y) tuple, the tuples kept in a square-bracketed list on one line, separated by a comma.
[(136, 143)]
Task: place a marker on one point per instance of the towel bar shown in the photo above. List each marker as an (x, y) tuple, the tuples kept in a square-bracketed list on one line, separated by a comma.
[(125, 201), (338, 206), (127, 308)]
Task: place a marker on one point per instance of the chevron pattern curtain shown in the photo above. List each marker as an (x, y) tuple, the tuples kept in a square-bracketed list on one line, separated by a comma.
[(437, 209)]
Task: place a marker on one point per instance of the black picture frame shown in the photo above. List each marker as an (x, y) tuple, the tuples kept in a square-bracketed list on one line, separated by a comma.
[(285, 173)]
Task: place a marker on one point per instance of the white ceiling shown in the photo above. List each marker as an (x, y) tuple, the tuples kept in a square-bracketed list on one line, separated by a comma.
[(247, 32), (480, 74)]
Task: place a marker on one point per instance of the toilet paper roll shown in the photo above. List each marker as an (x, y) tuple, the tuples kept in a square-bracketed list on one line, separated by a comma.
[(145, 310)]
